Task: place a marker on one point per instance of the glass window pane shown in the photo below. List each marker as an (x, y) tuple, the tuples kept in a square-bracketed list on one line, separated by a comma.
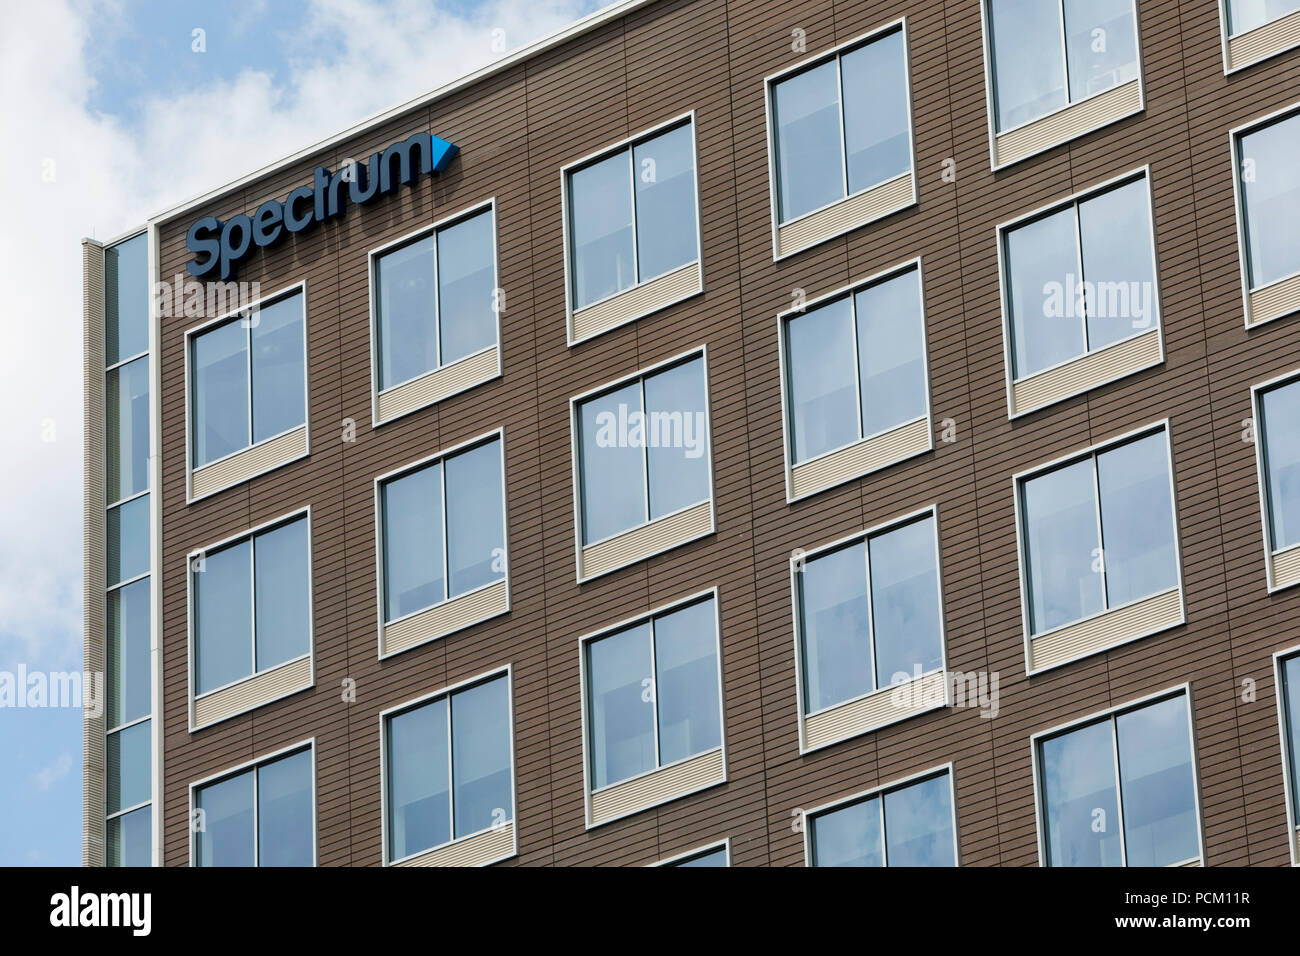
[(1101, 44), (129, 778), (716, 857), (621, 705), (665, 203), (466, 287), (220, 420), (809, 152), (126, 442), (226, 834), (407, 340), (480, 753), (1157, 783), (419, 796), (677, 435), (849, 836), (1080, 803), (905, 602), (279, 376), (1042, 282), (413, 559), (127, 652), (1280, 428), (612, 463), (1244, 15), (1272, 197), (600, 198), (1291, 706), (686, 682), (223, 615), (285, 828), (130, 839), (1028, 72), (823, 386), (126, 299), (833, 626), (891, 353), (879, 146), (1061, 546), (128, 540), (918, 824), (1137, 520), (1115, 227), (281, 561), (475, 522)]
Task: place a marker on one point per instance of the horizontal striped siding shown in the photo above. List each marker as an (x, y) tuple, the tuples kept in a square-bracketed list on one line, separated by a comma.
[(443, 619), (437, 385), (890, 704), (657, 787), (888, 197), (1286, 568), (646, 540), (1068, 123), (478, 850), (1087, 371), (871, 454), (1105, 630), (637, 301), (1263, 42), (252, 461), (1274, 301), (257, 690)]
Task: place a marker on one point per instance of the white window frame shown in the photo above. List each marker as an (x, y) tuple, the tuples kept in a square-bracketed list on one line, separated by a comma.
[(1289, 784), (1261, 472), (724, 845), (1225, 36)]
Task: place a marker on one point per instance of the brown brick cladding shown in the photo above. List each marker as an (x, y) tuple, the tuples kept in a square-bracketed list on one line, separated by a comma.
[(516, 129)]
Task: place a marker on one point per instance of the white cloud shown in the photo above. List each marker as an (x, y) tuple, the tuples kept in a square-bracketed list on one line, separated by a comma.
[(49, 776), (108, 175)]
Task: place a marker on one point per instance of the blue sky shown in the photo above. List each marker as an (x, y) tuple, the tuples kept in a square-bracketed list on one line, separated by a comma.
[(120, 116)]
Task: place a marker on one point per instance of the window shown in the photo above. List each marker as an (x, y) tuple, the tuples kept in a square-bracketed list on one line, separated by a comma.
[(443, 529), (653, 693), (856, 366), (1121, 790), (262, 816), (1288, 670), (126, 300), (251, 605), (436, 300), (126, 439), (632, 215), (449, 768), (1279, 439), (1049, 54), (907, 825), (643, 450), (714, 856), (1098, 532), (1080, 278), (1269, 191), (841, 126), (869, 614), (248, 379), (1246, 15)]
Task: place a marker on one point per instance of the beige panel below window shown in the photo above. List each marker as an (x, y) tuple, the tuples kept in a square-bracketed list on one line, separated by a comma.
[(250, 462), (477, 850), (637, 301), (437, 385), (885, 706), (1066, 124), (1263, 42), (868, 455), (1276, 300), (1106, 630), (1087, 371), (442, 619), (253, 692), (657, 787), (649, 539), (856, 210), (1286, 568)]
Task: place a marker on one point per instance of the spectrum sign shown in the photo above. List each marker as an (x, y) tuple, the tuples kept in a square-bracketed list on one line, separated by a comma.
[(223, 244)]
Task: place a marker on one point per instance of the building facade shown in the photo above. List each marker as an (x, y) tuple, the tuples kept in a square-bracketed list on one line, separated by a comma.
[(724, 433)]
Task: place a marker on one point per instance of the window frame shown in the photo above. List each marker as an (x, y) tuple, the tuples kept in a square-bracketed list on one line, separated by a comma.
[(880, 790), (298, 287), (1074, 200), (678, 858), (1111, 713), (308, 745), (1289, 784), (990, 95), (497, 434), (646, 617), (850, 292), (810, 63), (1235, 136), (627, 144), (1093, 451), (489, 206), (1225, 23), (931, 511), (1261, 473), (575, 443), (191, 621), (505, 670)]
